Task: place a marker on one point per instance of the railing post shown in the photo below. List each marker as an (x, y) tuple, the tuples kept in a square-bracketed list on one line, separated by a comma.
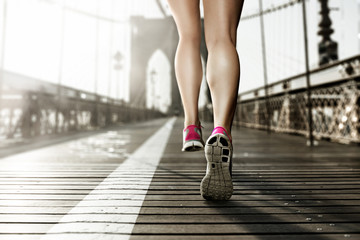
[(108, 113), (256, 111), (35, 100), (307, 73), (264, 67), (26, 116), (94, 113), (58, 99)]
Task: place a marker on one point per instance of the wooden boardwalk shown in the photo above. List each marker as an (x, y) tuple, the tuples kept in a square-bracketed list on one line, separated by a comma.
[(135, 183)]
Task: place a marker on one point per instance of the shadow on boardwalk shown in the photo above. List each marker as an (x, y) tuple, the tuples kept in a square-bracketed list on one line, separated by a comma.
[(283, 190)]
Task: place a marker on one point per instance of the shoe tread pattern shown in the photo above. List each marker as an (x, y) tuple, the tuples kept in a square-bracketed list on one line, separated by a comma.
[(217, 183)]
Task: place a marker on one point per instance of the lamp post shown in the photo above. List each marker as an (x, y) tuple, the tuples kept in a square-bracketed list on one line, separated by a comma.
[(153, 75), (95, 117), (61, 62), (118, 67), (2, 56), (328, 49)]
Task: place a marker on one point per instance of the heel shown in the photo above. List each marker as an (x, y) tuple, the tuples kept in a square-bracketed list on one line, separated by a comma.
[(217, 183)]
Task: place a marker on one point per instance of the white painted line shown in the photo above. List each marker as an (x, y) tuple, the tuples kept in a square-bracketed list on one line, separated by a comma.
[(144, 160)]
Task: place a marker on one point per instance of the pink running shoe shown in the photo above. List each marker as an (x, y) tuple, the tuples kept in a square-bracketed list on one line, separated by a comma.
[(192, 138), (217, 183)]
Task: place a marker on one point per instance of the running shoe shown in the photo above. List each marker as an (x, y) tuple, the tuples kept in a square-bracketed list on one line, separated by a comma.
[(217, 183), (192, 138)]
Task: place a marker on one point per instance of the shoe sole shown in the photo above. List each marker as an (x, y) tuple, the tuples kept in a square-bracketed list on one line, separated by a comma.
[(192, 146), (217, 183)]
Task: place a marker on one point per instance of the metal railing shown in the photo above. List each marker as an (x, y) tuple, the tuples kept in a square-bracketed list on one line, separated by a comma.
[(31, 108), (335, 100)]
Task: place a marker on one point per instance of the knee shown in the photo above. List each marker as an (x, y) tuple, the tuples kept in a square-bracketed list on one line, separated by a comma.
[(218, 39), (190, 37)]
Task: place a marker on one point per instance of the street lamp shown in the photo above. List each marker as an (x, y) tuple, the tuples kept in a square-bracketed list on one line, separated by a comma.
[(2, 55), (153, 75), (118, 67), (328, 49)]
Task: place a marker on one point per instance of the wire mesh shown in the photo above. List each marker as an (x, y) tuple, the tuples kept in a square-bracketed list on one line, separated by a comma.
[(335, 108)]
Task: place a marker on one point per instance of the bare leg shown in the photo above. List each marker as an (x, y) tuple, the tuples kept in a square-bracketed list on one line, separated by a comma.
[(223, 68), (188, 66)]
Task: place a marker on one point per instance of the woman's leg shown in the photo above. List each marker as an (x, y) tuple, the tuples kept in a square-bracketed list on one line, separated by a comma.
[(221, 19), (223, 68), (188, 66)]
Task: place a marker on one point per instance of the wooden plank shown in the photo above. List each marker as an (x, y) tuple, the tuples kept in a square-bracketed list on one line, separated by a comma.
[(243, 210), (197, 170), (314, 236), (164, 204), (248, 218), (72, 191), (180, 237), (263, 197), (179, 219), (260, 192), (114, 196), (182, 210), (288, 192), (189, 229), (178, 176), (69, 197), (185, 229), (71, 218), (237, 188), (77, 236), (69, 203), (179, 184)]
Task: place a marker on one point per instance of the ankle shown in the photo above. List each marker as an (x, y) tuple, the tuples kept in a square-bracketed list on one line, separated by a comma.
[(187, 123)]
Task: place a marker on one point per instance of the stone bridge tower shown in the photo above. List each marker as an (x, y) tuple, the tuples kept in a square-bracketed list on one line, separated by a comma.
[(147, 36)]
